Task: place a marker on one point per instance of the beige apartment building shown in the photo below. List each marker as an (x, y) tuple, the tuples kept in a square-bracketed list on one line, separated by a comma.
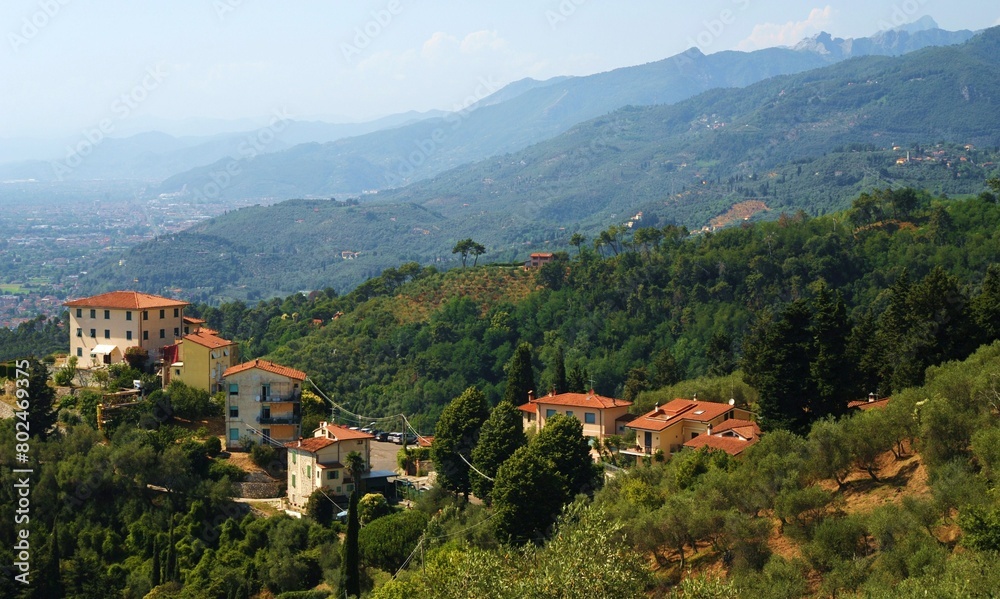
[(104, 326), (263, 403)]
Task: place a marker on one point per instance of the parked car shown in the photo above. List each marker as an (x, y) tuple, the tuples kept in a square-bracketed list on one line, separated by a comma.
[(381, 436), (396, 438), (370, 429)]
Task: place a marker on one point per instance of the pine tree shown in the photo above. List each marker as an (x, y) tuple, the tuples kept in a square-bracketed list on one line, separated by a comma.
[(171, 553), (520, 376), (50, 579), (985, 307), (577, 382), (41, 407), (350, 569), (666, 371), (501, 435), (562, 442), (830, 369), (457, 434), (527, 496)]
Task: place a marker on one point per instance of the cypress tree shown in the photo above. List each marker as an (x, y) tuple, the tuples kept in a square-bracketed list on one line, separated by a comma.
[(457, 434), (520, 376), (830, 369), (156, 564), (171, 553), (350, 572), (559, 376), (41, 409)]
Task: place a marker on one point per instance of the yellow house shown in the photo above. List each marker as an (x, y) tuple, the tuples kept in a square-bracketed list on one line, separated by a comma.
[(320, 462), (670, 426), (262, 403), (202, 358), (104, 326), (601, 416)]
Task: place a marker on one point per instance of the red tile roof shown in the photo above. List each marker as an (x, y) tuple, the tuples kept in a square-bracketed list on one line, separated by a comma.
[(677, 410), (581, 400), (743, 428), (865, 404), (425, 441), (268, 366), (193, 320), (343, 433), (529, 407), (207, 340), (312, 444), (730, 445), (334, 465), (126, 300)]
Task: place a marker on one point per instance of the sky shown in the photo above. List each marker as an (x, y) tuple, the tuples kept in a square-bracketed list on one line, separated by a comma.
[(68, 67)]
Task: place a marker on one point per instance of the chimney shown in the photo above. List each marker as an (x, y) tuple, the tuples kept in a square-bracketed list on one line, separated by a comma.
[(552, 392), (709, 431), (531, 395), (872, 397)]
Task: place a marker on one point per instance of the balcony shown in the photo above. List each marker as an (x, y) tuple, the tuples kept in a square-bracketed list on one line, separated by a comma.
[(293, 397), (280, 419), (637, 450)]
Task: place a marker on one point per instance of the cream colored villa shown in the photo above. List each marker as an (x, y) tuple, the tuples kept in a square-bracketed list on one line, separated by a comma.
[(104, 326), (601, 416)]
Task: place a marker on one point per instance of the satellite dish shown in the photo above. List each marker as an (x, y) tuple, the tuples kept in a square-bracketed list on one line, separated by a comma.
[(732, 401)]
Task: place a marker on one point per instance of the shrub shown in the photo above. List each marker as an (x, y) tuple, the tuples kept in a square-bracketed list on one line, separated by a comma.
[(213, 446), (222, 468), (386, 542), (262, 455), (371, 507)]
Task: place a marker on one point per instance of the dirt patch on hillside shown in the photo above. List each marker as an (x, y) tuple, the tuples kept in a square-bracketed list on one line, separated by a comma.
[(738, 212)]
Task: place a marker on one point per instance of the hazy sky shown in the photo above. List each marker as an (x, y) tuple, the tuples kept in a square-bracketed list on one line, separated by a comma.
[(68, 65)]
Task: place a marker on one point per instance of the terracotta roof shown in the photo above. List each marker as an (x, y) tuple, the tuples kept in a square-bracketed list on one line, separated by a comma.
[(193, 320), (312, 444), (207, 340), (529, 407), (865, 404), (425, 441), (268, 366), (743, 428), (126, 300), (730, 445), (582, 400), (343, 433), (677, 410), (334, 465), (542, 255)]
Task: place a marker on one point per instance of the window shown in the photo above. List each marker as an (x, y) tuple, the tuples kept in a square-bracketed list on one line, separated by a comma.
[(693, 435), (293, 480), (309, 471), (187, 330), (128, 335), (590, 418), (550, 413), (177, 332), (162, 314), (332, 475), (294, 456), (569, 413), (145, 314), (128, 315), (79, 352), (79, 332), (107, 315), (177, 312), (213, 355), (145, 335), (177, 371), (234, 434), (93, 332), (79, 312), (234, 389), (163, 333), (93, 313), (225, 352), (107, 334)]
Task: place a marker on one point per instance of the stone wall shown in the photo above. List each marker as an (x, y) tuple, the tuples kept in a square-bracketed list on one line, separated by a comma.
[(258, 490)]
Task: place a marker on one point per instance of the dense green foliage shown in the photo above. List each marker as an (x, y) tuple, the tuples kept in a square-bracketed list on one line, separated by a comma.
[(455, 438), (39, 336), (500, 436), (386, 542)]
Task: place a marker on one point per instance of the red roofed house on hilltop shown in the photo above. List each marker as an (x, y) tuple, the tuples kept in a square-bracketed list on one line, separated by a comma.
[(320, 462), (104, 326), (262, 403), (669, 427), (871, 402), (601, 416), (539, 258)]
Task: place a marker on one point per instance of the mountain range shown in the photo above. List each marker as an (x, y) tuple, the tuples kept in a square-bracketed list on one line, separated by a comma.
[(809, 141)]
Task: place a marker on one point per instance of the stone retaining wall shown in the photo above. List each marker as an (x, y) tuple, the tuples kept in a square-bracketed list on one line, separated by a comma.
[(252, 490)]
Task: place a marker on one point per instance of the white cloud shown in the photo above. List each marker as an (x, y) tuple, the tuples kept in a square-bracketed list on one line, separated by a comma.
[(767, 35)]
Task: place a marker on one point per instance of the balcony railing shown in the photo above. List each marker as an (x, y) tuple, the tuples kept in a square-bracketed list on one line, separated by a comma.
[(295, 396), (280, 419)]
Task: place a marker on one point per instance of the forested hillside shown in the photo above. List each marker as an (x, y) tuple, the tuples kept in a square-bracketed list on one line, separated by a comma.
[(644, 308)]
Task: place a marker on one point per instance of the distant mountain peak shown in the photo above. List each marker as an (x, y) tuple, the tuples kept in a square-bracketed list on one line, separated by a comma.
[(924, 23)]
